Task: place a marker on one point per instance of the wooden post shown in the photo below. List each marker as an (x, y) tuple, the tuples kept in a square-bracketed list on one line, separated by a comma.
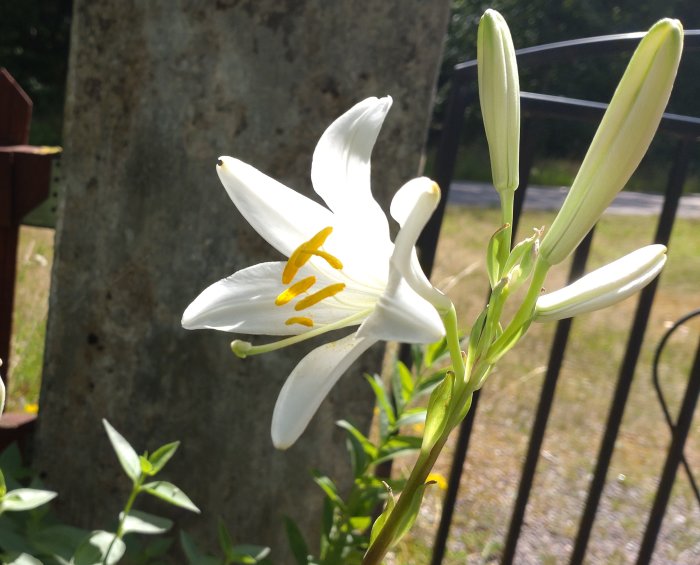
[(25, 174)]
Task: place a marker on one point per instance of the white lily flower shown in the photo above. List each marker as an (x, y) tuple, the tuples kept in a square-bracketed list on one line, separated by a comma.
[(338, 273), (603, 287)]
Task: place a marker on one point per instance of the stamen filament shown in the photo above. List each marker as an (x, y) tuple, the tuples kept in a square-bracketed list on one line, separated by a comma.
[(295, 290), (304, 321), (316, 297), (244, 349)]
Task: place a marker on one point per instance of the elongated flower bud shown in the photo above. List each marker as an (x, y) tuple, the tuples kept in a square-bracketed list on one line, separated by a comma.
[(499, 93), (603, 287), (622, 139)]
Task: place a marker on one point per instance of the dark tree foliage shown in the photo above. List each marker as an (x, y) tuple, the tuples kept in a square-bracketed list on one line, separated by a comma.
[(537, 22), (34, 36)]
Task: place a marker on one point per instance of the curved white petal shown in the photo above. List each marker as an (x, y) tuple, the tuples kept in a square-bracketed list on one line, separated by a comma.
[(402, 315), (245, 303), (282, 216), (309, 383), (412, 207), (340, 171), (603, 287)]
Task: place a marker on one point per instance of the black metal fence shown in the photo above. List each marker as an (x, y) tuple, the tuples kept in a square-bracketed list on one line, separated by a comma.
[(685, 131)]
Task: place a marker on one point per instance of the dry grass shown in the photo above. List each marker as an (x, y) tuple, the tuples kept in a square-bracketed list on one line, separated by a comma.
[(34, 258), (505, 414)]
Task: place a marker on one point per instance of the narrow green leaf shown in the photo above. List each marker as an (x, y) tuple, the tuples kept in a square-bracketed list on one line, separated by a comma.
[(360, 523), (297, 544), (3, 485), (358, 457), (428, 383), (402, 385), (225, 541), (193, 554), (138, 522), (22, 499), (369, 448), (126, 454), (381, 520), (434, 352), (383, 401), (398, 445), (409, 518), (170, 493), (411, 417), (438, 412), (328, 486), (493, 266), (162, 455)]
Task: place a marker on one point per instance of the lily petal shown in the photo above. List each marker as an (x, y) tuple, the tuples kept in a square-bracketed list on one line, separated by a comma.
[(283, 217), (603, 287), (340, 170), (412, 207), (309, 383), (245, 303)]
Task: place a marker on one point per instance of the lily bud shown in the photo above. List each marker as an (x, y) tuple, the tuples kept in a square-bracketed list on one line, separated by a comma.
[(499, 94), (622, 139), (603, 287)]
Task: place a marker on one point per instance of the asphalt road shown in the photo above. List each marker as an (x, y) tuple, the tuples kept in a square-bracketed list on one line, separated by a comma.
[(551, 198)]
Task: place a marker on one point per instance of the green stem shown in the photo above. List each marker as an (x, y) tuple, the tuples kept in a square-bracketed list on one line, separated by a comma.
[(507, 197), (449, 319), (127, 508)]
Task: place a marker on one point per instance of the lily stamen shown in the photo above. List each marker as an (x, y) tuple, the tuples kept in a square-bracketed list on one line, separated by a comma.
[(316, 297), (302, 320), (295, 290), (305, 251)]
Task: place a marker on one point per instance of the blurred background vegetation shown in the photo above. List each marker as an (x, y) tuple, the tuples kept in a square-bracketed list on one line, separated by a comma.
[(34, 39)]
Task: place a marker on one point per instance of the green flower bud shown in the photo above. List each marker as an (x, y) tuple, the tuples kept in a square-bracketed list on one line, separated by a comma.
[(499, 93), (622, 139)]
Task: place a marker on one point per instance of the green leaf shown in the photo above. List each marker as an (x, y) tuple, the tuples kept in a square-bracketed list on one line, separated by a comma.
[(21, 559), (225, 541), (126, 454), (193, 554), (170, 493), (358, 457), (162, 455), (93, 550), (434, 352), (382, 399), (409, 518), (428, 383), (3, 486), (402, 385), (297, 544), (398, 445), (249, 554), (328, 486), (493, 252), (25, 499), (360, 523), (381, 520), (138, 522), (411, 417), (438, 412), (59, 540), (145, 465), (369, 448)]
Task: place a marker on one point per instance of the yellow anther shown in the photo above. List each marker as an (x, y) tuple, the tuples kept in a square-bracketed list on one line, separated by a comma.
[(305, 251), (316, 297), (330, 259), (308, 322), (295, 290)]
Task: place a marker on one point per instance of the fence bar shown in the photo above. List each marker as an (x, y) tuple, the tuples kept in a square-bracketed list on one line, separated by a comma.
[(673, 459), (544, 408), (668, 213)]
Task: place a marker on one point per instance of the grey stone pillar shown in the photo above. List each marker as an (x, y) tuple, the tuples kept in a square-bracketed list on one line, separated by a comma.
[(157, 91)]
